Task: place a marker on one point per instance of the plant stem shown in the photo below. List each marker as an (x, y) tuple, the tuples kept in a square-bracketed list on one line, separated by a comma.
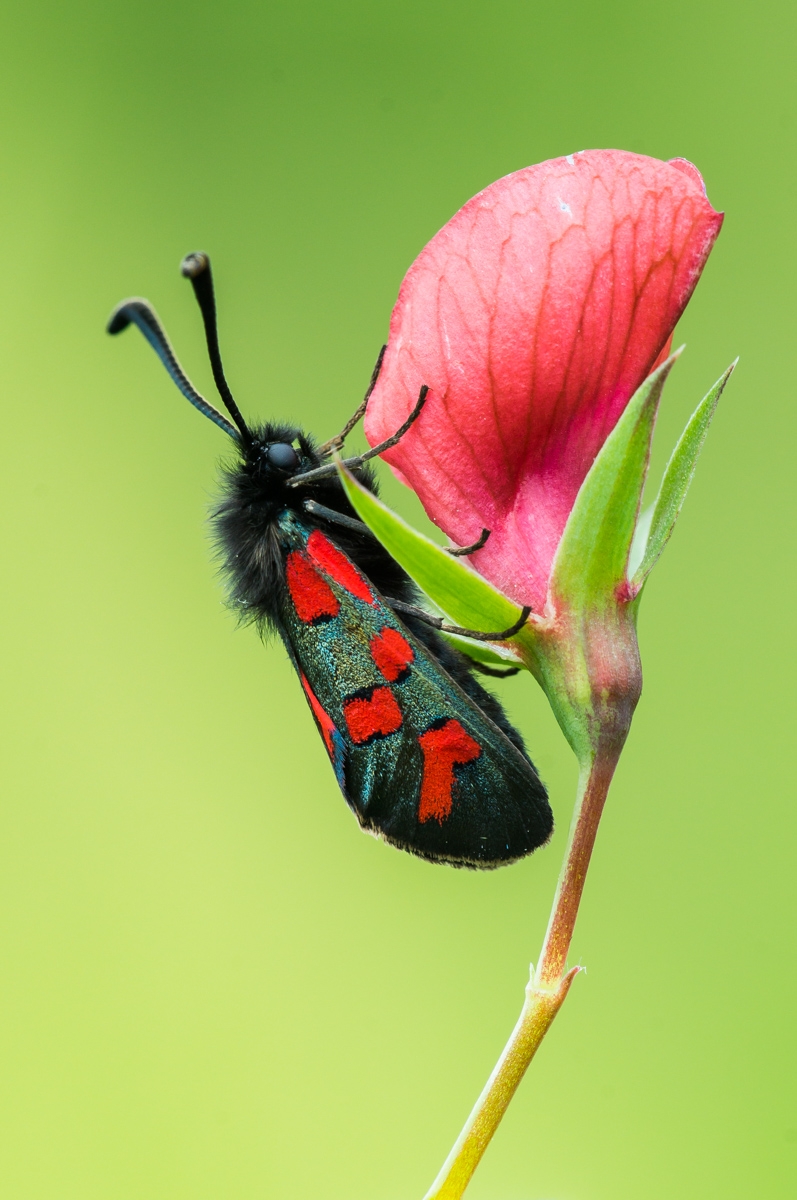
[(545, 992), (593, 787)]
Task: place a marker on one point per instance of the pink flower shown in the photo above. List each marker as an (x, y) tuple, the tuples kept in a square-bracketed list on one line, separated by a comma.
[(533, 316)]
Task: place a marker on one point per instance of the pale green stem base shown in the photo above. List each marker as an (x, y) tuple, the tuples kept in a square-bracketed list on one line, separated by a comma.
[(546, 990)]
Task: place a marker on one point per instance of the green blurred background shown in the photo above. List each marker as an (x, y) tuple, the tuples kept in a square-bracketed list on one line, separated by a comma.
[(212, 985)]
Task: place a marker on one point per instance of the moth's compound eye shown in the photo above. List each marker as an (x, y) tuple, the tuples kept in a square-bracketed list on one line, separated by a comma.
[(280, 454)]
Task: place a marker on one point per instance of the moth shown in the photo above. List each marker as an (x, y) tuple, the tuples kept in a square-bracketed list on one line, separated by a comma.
[(424, 756)]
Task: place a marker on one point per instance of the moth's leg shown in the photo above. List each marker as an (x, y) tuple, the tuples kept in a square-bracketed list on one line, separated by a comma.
[(336, 442), (397, 436), (412, 610), (353, 463), (438, 623), (493, 672), (462, 550), (335, 518)]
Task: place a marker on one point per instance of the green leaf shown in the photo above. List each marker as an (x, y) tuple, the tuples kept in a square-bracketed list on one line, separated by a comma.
[(592, 558), (466, 598), (678, 476)]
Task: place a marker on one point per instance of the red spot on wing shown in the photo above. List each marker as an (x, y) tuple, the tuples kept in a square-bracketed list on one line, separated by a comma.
[(311, 594), (443, 749), (392, 653), (325, 722), (338, 566), (366, 717)]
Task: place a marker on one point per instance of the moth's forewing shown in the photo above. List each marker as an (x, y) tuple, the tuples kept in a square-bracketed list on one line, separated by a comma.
[(418, 762)]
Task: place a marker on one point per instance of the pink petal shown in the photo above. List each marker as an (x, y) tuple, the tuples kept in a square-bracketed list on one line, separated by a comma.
[(533, 316)]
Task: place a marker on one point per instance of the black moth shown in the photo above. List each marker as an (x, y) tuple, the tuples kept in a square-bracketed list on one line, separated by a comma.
[(425, 757)]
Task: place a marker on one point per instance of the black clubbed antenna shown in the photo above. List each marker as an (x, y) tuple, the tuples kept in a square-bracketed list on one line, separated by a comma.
[(196, 267), (141, 314)]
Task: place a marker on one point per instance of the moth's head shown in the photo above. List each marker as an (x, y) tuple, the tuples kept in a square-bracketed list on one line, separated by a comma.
[(278, 452), (275, 455), (280, 456)]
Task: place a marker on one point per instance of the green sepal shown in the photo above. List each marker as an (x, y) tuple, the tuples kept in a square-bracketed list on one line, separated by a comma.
[(484, 652), (466, 598), (677, 478), (592, 558)]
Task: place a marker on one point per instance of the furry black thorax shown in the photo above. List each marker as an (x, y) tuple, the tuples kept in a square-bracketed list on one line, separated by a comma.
[(245, 525)]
